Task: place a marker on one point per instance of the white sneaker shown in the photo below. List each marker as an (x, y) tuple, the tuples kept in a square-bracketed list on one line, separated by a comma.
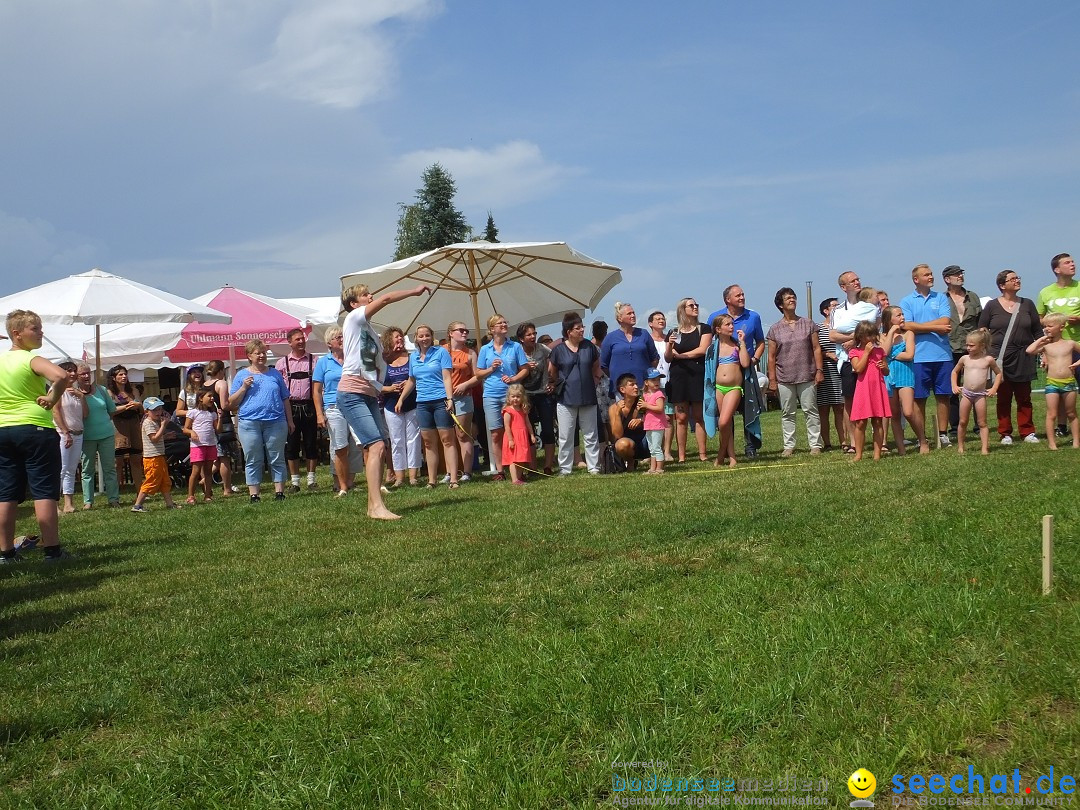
[(464, 477), (1031, 438), (445, 479), (944, 439), (1006, 439)]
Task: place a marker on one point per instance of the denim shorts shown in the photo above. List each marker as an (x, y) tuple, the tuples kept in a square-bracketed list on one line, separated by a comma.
[(464, 405), (433, 414), (364, 416), (493, 413), (29, 459)]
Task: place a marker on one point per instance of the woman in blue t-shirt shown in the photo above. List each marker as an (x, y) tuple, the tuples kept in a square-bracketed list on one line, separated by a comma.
[(429, 376), (260, 399), (499, 363)]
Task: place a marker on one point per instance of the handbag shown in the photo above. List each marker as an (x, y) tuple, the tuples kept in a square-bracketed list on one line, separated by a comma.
[(610, 463)]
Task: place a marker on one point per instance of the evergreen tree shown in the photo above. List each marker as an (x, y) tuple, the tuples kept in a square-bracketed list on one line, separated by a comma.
[(433, 220), (491, 233)]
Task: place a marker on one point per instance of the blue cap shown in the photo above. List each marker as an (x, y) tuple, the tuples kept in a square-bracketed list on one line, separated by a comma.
[(653, 374), (151, 403)]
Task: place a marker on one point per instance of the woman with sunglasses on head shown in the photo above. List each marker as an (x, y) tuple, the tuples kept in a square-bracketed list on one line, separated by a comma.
[(463, 361), (399, 411), (499, 364), (685, 352)]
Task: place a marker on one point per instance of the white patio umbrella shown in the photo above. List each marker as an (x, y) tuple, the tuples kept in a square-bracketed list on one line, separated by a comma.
[(97, 297), (522, 281)]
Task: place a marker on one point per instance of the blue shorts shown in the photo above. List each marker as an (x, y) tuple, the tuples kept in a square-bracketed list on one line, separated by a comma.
[(493, 413), (464, 405), (29, 459), (365, 417), (433, 414), (1060, 386), (933, 378)]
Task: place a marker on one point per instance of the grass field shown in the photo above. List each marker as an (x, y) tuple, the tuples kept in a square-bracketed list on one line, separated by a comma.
[(514, 646)]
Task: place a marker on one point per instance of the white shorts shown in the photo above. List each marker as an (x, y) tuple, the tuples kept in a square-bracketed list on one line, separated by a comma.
[(339, 430)]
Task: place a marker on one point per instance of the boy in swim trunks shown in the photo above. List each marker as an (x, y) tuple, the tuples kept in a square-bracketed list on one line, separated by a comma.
[(975, 366), (1058, 353)]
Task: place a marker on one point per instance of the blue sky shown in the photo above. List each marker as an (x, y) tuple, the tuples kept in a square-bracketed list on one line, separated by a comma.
[(266, 143)]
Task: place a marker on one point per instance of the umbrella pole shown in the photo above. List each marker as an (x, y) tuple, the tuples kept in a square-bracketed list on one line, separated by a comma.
[(97, 351), (476, 322)]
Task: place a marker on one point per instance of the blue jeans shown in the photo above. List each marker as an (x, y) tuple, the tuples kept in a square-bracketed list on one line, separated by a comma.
[(263, 442), (365, 417)]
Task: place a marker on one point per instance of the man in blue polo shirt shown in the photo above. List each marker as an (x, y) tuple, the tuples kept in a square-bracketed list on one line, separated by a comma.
[(927, 315), (750, 323)]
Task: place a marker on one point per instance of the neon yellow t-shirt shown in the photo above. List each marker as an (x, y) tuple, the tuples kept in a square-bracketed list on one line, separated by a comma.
[(19, 389)]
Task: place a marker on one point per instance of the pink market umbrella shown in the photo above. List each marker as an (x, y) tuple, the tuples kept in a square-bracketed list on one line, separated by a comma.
[(253, 316)]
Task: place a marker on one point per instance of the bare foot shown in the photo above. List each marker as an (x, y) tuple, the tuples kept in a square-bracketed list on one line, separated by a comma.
[(86, 506), (924, 449), (69, 510), (986, 451), (960, 449), (731, 461), (1052, 445), (382, 514)]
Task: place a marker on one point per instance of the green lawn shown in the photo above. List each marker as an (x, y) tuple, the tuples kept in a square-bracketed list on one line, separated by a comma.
[(502, 646)]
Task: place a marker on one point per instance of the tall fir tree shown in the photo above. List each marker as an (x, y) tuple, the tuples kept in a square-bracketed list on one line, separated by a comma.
[(433, 220), (491, 233)]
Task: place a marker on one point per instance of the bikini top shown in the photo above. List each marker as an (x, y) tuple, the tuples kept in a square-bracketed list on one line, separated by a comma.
[(731, 358)]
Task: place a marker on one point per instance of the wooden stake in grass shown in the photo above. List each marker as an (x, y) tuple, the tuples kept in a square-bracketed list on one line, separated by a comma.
[(1048, 554)]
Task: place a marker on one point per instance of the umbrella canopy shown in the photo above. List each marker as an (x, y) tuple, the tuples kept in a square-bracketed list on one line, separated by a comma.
[(97, 297), (522, 281), (253, 316)]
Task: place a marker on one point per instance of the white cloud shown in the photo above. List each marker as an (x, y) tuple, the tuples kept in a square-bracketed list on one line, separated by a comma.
[(337, 53), (504, 175)]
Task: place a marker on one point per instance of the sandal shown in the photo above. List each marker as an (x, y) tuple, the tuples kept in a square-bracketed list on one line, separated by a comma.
[(498, 477), (849, 449), (454, 485), (430, 486), (190, 501)]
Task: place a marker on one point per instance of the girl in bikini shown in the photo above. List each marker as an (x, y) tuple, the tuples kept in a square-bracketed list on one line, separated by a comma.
[(732, 358)]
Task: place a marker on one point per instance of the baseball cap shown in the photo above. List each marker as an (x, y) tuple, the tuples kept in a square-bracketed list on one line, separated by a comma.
[(152, 403), (653, 374)]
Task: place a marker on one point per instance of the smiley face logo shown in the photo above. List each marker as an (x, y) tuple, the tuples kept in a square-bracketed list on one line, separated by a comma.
[(862, 784)]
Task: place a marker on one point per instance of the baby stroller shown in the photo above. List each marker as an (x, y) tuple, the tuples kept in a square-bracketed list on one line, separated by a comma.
[(177, 454)]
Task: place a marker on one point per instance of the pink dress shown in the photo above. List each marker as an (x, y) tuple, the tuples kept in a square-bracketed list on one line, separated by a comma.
[(871, 396), (515, 422)]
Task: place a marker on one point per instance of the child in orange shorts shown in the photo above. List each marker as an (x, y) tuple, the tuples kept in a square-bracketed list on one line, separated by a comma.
[(155, 467)]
